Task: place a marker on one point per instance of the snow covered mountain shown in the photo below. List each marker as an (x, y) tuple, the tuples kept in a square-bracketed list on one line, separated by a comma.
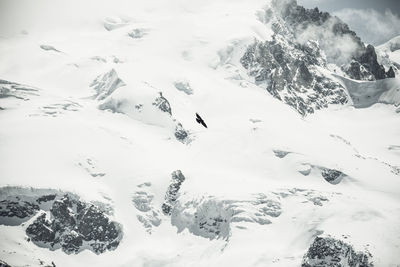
[(103, 162)]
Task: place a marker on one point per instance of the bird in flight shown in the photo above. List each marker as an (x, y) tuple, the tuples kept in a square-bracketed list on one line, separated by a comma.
[(200, 120)]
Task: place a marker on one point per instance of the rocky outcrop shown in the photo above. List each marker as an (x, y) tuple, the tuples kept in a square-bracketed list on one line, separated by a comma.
[(296, 65), (62, 219), (180, 133), (326, 251), (17, 208), (364, 64), (105, 84), (151, 109), (331, 175), (173, 192), (74, 226), (162, 104), (289, 72)]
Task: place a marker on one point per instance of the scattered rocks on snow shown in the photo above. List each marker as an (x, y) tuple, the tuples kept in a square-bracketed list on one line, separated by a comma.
[(91, 167), (326, 251), (310, 195), (173, 192), (105, 84)]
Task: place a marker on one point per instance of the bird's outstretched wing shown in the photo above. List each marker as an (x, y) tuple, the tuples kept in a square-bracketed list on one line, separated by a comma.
[(200, 120)]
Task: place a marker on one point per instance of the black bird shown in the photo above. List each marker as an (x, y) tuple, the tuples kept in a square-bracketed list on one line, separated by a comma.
[(200, 120)]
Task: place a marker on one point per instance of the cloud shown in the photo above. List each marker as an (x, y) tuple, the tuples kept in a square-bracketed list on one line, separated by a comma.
[(372, 26), (338, 49)]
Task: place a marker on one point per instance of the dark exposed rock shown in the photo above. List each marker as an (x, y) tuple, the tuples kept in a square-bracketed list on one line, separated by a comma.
[(367, 58), (46, 198), (172, 192), (40, 230), (331, 175), (74, 225), (4, 264), (180, 133), (163, 104), (390, 73), (15, 211), (326, 251)]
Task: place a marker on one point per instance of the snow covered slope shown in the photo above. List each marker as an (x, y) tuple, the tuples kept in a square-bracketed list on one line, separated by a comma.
[(103, 162)]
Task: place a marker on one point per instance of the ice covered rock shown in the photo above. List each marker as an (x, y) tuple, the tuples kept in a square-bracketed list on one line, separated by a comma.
[(49, 48), (112, 23), (181, 134), (73, 226), (366, 93), (173, 191), (137, 33), (212, 217), (148, 215), (15, 90), (184, 86), (280, 153), (326, 251), (105, 84)]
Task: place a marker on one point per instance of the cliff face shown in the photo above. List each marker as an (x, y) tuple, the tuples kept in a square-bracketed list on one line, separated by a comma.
[(295, 65)]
